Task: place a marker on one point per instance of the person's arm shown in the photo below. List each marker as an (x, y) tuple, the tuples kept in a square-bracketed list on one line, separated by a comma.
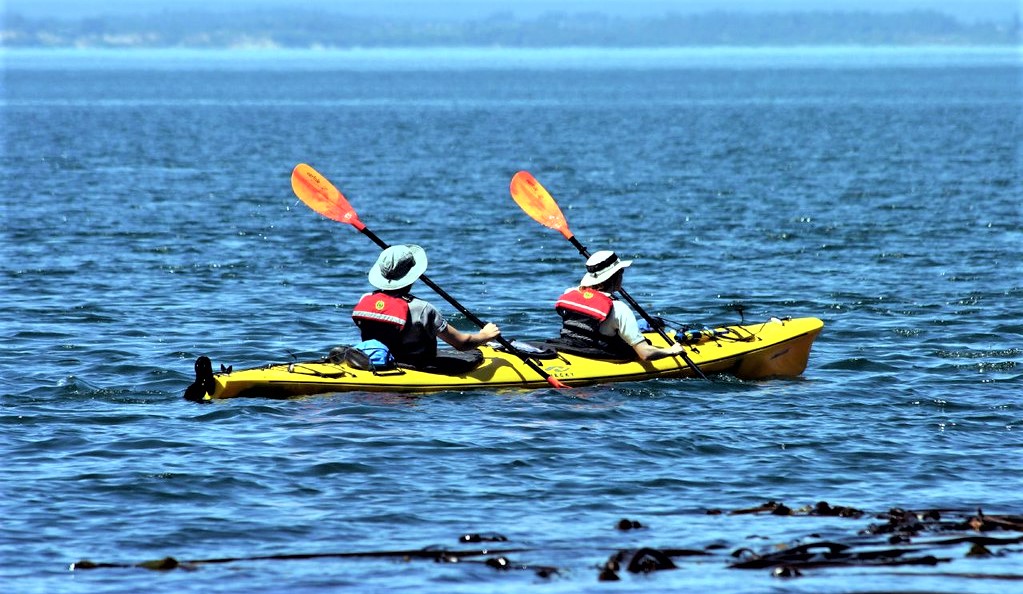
[(628, 329), (648, 352), (464, 341)]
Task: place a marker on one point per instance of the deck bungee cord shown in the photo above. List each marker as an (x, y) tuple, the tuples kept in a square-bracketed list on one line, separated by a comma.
[(742, 333)]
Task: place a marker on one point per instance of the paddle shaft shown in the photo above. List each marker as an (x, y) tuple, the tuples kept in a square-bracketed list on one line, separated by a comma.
[(468, 314), (642, 312)]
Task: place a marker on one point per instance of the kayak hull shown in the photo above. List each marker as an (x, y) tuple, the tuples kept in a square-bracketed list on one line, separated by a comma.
[(775, 348)]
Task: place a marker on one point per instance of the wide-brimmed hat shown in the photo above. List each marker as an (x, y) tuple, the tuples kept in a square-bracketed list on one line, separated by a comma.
[(398, 266), (602, 266)]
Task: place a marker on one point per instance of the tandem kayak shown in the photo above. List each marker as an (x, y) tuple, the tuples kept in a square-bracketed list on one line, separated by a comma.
[(775, 348)]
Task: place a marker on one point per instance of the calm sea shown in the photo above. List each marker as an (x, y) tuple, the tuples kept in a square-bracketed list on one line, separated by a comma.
[(148, 218)]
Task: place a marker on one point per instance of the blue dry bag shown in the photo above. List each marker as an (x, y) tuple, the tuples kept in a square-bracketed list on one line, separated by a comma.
[(379, 355)]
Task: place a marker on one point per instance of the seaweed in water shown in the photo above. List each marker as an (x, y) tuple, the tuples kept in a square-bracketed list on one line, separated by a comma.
[(899, 538)]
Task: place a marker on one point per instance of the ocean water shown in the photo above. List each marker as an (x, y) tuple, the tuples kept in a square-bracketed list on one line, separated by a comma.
[(148, 219)]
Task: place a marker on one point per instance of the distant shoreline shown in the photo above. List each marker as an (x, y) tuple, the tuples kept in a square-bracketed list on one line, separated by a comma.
[(467, 58), (305, 28)]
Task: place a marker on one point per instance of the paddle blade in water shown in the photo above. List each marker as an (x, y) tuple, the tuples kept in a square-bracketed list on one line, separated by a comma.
[(538, 203), (321, 196)]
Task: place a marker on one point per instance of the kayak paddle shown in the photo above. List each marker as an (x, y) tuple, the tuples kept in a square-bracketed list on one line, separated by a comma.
[(321, 195), (538, 203)]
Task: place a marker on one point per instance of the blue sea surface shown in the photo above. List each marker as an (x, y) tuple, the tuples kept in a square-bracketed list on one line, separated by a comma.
[(148, 219)]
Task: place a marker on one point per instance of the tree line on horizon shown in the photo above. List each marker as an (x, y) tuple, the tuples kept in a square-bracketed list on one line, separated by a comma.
[(306, 29)]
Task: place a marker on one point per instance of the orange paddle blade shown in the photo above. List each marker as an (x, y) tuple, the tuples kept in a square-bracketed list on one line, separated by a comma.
[(321, 196), (538, 203)]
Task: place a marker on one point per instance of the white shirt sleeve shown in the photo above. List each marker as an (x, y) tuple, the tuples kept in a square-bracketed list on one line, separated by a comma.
[(623, 323)]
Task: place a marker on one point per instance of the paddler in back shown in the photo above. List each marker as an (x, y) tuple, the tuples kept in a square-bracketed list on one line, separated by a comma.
[(407, 325), (594, 323)]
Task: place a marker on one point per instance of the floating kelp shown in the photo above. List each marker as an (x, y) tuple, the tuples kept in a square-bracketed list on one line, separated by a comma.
[(821, 508), (793, 561), (483, 538), (900, 538), (905, 522), (434, 554)]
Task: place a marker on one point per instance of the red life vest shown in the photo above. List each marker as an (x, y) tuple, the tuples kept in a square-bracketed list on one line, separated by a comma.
[(582, 312), (381, 307), (586, 301)]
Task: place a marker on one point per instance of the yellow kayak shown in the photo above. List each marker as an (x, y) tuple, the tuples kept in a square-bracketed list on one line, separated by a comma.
[(775, 348)]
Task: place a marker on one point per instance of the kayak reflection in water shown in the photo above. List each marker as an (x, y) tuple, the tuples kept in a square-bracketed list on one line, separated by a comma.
[(409, 326), (595, 323)]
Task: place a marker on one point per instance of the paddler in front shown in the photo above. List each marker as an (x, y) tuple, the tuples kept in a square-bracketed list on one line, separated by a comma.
[(409, 326), (594, 323)]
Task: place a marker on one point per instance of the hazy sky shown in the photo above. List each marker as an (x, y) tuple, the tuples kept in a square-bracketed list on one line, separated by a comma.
[(963, 9)]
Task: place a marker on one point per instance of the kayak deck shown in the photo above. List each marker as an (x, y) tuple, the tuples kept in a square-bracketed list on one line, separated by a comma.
[(775, 348)]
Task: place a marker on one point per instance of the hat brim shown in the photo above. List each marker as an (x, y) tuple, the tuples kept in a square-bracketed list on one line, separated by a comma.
[(378, 280), (590, 279)]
